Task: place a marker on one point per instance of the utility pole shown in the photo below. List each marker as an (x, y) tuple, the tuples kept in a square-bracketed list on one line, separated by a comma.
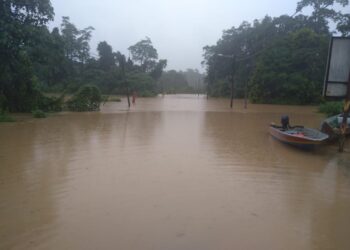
[(232, 84), (198, 86), (122, 63), (233, 75), (246, 89), (233, 79), (245, 95), (207, 90)]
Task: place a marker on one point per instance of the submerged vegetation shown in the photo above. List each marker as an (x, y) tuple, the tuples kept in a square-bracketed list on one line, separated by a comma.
[(88, 98), (38, 113)]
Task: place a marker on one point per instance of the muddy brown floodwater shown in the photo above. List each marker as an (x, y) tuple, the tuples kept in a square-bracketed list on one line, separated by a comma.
[(174, 173)]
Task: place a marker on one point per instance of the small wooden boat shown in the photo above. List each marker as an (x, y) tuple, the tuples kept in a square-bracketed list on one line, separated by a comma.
[(331, 126), (298, 136)]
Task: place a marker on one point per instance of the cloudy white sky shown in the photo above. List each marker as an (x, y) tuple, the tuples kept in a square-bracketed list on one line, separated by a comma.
[(179, 29)]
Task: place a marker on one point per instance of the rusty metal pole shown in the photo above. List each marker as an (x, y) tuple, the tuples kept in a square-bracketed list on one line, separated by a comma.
[(233, 80), (245, 96), (246, 90), (232, 84), (122, 61), (344, 124), (128, 95)]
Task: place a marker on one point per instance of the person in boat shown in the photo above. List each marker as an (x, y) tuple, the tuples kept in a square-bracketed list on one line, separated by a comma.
[(285, 125), (285, 122)]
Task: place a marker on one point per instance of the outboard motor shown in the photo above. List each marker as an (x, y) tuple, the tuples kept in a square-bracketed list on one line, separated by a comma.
[(285, 122)]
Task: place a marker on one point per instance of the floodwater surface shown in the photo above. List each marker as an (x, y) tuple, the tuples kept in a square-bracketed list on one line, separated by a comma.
[(174, 173)]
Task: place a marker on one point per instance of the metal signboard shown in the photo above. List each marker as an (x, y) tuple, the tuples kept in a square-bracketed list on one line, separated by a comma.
[(338, 68)]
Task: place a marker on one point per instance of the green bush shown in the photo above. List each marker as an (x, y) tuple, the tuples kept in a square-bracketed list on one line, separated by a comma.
[(4, 117), (220, 88), (88, 98), (331, 108), (50, 104), (38, 113), (142, 84)]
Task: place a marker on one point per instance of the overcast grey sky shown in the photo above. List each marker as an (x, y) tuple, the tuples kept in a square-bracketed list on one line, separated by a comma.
[(179, 29)]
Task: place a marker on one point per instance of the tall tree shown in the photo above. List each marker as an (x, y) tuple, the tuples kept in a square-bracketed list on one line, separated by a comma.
[(158, 71), (47, 56), (145, 54), (83, 44), (69, 35), (322, 12), (76, 41), (106, 60), (122, 64), (292, 70), (18, 20), (343, 26)]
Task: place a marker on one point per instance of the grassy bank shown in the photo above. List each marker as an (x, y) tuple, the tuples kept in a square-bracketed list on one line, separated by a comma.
[(331, 108)]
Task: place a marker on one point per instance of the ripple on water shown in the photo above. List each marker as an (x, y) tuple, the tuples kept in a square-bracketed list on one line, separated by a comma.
[(179, 172)]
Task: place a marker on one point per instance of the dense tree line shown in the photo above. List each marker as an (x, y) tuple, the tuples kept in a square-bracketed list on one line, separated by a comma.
[(190, 81), (276, 60), (19, 22), (34, 59)]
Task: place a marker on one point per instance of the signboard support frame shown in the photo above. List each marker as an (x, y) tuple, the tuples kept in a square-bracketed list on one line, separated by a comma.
[(344, 125)]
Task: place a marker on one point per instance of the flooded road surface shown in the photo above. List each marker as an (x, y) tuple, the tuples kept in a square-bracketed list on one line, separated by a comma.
[(180, 172)]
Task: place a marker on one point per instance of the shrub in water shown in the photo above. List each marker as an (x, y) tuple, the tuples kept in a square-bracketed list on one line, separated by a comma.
[(38, 113), (88, 98), (50, 104)]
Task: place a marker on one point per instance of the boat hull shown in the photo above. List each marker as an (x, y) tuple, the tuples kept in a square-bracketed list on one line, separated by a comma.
[(296, 139)]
